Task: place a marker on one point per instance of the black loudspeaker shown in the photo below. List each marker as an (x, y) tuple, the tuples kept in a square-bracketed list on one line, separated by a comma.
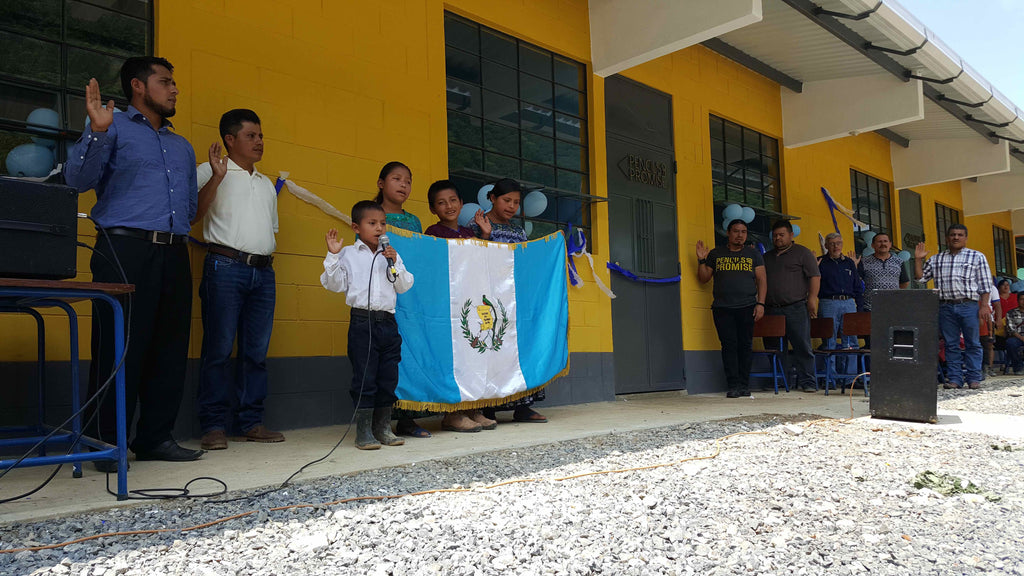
[(38, 229), (904, 354)]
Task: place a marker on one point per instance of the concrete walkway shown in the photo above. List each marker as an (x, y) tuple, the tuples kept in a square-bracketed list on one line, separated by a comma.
[(250, 465)]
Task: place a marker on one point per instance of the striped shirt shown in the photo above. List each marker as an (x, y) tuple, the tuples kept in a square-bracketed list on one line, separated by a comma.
[(964, 275)]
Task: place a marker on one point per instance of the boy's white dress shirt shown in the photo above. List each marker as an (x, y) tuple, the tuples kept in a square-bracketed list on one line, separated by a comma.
[(348, 271)]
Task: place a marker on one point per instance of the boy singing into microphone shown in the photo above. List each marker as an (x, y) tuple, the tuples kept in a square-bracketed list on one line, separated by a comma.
[(374, 344)]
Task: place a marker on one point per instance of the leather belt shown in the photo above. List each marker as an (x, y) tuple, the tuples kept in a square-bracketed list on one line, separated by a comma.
[(839, 297), (254, 260), (373, 314), (957, 301), (155, 237)]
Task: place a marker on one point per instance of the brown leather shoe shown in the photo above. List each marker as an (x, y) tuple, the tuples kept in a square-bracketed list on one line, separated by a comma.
[(260, 433), (214, 440), (974, 385)]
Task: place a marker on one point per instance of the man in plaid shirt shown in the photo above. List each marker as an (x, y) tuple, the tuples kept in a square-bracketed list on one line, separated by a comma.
[(963, 280)]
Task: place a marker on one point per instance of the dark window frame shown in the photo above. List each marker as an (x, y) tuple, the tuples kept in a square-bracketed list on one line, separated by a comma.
[(868, 197), (1004, 251), (529, 123), (945, 216), (68, 93), (751, 144)]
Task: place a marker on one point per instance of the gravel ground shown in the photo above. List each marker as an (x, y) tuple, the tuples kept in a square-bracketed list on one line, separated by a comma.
[(798, 496)]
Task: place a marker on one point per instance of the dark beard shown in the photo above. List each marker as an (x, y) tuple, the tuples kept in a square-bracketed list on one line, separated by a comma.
[(163, 111)]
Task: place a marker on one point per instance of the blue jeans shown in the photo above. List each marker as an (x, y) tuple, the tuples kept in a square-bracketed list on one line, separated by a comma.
[(238, 300), (954, 320), (1014, 346), (835, 309)]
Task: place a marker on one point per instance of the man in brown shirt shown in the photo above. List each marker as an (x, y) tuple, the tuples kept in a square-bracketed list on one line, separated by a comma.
[(793, 282)]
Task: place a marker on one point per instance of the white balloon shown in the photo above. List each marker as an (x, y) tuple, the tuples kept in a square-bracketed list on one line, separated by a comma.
[(528, 226), (732, 212), (796, 230), (467, 213), (481, 196), (748, 214), (535, 203)]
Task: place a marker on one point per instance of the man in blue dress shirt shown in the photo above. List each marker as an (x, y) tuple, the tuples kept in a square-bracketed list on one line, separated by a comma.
[(841, 286), (145, 180)]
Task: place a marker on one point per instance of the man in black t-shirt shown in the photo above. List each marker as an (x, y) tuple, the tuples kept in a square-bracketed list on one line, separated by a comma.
[(739, 292)]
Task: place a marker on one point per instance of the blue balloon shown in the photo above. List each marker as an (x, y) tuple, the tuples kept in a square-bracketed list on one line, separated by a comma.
[(534, 204), (748, 214), (904, 255), (725, 223), (45, 117), (31, 160), (869, 237), (732, 212), (481, 196), (796, 230), (467, 213), (868, 251)]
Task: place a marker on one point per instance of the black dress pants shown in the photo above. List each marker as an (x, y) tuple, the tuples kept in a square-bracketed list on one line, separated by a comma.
[(157, 322), (735, 328)]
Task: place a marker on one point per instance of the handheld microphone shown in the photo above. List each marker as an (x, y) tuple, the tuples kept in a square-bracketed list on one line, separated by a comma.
[(384, 245)]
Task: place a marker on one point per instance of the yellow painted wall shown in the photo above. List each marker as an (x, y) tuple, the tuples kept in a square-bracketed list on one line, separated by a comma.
[(344, 87)]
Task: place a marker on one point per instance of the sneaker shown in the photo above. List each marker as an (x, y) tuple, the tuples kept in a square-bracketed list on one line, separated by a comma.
[(214, 440)]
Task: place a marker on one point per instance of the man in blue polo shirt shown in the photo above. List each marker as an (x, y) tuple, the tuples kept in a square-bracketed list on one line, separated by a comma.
[(145, 180), (841, 286)]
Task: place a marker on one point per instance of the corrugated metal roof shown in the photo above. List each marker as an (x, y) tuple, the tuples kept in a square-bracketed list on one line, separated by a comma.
[(790, 43), (937, 124), (794, 44)]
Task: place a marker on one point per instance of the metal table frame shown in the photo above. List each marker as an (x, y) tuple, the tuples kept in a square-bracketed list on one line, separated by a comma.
[(26, 296)]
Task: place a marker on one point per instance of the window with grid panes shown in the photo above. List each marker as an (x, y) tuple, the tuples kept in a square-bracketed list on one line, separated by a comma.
[(871, 205), (744, 170), (517, 111), (49, 49), (1002, 241), (944, 218)]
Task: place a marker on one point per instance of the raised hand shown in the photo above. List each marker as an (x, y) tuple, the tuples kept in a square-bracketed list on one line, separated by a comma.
[(334, 242), (217, 163), (100, 118), (920, 251), (854, 256), (702, 250), (483, 222)]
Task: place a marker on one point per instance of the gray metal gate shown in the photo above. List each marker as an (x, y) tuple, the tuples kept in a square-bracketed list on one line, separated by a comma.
[(646, 317)]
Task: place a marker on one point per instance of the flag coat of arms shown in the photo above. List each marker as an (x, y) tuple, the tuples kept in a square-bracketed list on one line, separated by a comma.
[(486, 323)]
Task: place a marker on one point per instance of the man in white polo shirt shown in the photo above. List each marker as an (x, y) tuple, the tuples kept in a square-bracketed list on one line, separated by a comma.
[(238, 206)]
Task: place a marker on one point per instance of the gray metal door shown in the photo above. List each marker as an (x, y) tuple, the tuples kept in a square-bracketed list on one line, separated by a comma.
[(912, 229), (646, 317)]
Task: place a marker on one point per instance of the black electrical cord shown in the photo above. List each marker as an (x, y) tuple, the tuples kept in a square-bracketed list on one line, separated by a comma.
[(100, 393)]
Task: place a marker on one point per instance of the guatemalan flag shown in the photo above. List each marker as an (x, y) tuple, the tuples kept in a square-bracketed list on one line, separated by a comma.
[(486, 323)]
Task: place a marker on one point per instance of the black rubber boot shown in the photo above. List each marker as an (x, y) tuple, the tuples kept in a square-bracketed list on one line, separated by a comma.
[(382, 427), (364, 430)]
